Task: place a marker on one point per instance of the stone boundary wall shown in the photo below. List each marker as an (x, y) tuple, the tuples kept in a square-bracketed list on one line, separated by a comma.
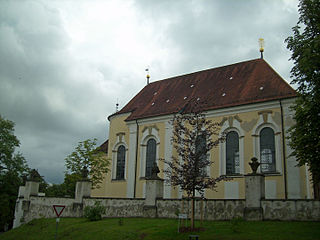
[(42, 207), (291, 210), (207, 209), (30, 205), (119, 207)]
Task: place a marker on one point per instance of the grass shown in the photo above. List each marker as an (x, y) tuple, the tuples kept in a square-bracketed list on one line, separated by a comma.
[(164, 229)]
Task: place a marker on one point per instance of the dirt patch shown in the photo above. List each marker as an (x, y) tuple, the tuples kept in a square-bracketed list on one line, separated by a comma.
[(143, 235), (189, 229)]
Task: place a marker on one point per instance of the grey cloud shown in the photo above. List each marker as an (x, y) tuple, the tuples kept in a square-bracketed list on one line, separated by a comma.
[(214, 33), (52, 110), (57, 99)]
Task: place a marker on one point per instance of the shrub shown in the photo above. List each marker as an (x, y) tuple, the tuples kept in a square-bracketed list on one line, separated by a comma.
[(94, 213)]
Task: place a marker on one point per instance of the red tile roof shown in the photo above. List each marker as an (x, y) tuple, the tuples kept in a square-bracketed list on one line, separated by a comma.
[(104, 146), (233, 85)]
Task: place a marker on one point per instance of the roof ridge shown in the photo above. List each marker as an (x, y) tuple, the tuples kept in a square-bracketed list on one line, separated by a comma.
[(204, 70)]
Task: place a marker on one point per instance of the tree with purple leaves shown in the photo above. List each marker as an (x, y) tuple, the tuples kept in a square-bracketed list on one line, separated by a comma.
[(193, 138)]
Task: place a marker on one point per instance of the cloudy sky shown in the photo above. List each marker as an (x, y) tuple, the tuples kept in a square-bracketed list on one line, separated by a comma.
[(65, 64)]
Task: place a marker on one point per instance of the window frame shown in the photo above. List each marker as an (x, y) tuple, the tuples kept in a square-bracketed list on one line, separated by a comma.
[(273, 150), (150, 132), (266, 120), (231, 124), (207, 155), (120, 142), (148, 169), (123, 165), (233, 161)]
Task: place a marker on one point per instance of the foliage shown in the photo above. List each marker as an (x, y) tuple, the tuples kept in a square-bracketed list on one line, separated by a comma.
[(9, 160), (305, 48), (12, 167), (70, 181), (86, 155), (189, 169), (56, 190), (160, 229), (94, 213), (193, 137), (65, 189)]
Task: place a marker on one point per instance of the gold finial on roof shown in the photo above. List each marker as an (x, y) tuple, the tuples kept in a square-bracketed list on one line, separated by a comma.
[(148, 76), (261, 44)]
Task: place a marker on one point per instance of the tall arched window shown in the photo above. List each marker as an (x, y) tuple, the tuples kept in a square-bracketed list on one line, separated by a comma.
[(150, 156), (201, 145), (232, 153), (267, 150), (121, 161)]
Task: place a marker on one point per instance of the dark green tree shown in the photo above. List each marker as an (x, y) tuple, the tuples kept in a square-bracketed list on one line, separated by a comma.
[(56, 190), (305, 48), (12, 167), (88, 156)]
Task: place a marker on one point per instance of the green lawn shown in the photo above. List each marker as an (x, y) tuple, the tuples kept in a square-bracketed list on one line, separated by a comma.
[(142, 228)]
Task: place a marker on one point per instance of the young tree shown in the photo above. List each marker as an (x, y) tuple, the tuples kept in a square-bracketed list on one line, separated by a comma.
[(87, 156), (193, 137), (12, 167), (305, 47)]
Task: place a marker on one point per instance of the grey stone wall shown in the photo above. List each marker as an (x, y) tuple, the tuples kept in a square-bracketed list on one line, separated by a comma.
[(291, 210), (30, 206), (206, 209), (42, 207), (118, 207)]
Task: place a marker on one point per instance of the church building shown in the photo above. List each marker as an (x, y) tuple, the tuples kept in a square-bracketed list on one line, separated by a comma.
[(249, 100)]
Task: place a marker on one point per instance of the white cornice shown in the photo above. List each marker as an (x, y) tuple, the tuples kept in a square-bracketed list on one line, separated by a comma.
[(219, 112), (151, 120), (248, 108), (118, 115)]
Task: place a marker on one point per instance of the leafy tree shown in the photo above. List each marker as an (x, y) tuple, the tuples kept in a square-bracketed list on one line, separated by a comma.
[(56, 190), (193, 137), (12, 167), (86, 155), (305, 48)]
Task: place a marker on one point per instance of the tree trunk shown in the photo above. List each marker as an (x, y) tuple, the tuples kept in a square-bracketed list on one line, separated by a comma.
[(192, 209), (192, 213)]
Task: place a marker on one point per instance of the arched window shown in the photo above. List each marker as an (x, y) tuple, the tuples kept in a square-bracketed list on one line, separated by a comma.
[(232, 153), (121, 161), (267, 150), (201, 145), (150, 156)]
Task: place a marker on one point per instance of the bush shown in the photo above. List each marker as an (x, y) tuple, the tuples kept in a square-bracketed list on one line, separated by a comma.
[(94, 213)]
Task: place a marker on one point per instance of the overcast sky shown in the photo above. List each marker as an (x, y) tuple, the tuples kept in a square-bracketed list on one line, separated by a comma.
[(65, 64)]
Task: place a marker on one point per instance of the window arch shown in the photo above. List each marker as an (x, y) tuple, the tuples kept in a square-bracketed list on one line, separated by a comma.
[(235, 150), (121, 162), (232, 153), (267, 145), (119, 156), (267, 150), (151, 153), (201, 142), (201, 151)]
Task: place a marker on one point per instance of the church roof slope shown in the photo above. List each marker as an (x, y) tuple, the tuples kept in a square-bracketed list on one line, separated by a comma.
[(233, 85)]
